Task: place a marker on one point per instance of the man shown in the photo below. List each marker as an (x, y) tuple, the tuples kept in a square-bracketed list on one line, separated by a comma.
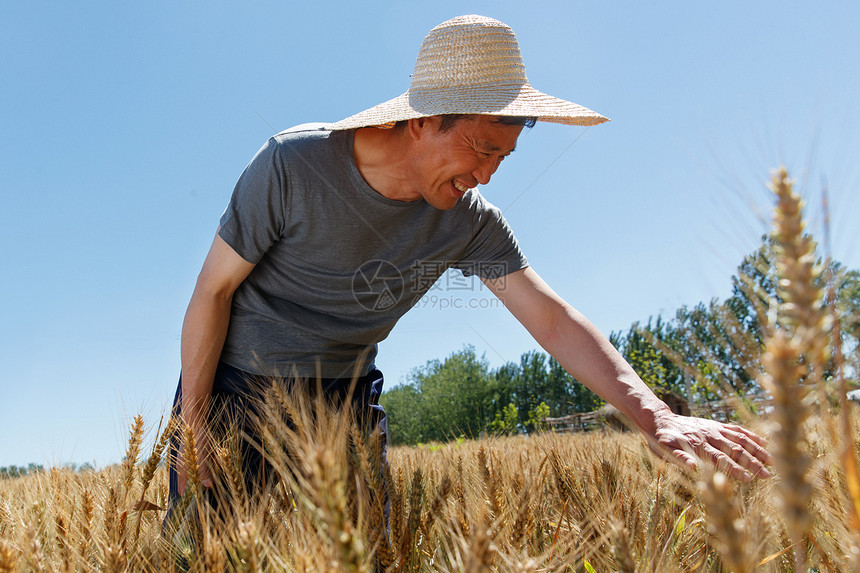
[(333, 233)]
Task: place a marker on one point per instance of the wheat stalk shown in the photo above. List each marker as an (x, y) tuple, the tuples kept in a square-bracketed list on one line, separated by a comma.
[(86, 523), (190, 460), (130, 460), (622, 550), (34, 551), (63, 541), (724, 521), (6, 521), (794, 351)]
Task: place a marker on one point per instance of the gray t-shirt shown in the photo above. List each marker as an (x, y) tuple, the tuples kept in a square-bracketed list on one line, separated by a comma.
[(337, 264)]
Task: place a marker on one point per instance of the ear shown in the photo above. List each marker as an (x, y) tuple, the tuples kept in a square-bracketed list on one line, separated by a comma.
[(420, 126)]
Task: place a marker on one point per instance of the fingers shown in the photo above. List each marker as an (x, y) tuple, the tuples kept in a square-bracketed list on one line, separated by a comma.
[(734, 450), (684, 459), (735, 461), (202, 473), (205, 475), (723, 461), (749, 434), (748, 441), (737, 454)]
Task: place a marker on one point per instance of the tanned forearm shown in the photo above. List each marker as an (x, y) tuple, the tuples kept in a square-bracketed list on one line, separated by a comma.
[(203, 333), (587, 355), (579, 347)]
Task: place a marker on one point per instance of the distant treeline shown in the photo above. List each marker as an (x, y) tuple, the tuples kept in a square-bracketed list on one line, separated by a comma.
[(20, 471), (702, 354), (8, 472)]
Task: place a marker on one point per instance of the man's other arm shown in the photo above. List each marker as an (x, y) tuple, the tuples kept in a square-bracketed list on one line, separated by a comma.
[(590, 358), (204, 331)]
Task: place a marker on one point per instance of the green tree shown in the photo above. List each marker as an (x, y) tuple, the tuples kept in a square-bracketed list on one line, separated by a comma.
[(537, 415), (506, 421), (848, 305), (442, 399), (531, 384), (504, 382), (639, 350), (540, 379), (403, 410)]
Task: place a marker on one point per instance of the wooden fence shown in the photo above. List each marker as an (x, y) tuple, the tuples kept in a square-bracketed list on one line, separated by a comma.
[(722, 410)]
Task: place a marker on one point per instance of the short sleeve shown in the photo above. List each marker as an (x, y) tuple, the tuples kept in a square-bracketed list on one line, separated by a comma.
[(493, 251), (255, 217)]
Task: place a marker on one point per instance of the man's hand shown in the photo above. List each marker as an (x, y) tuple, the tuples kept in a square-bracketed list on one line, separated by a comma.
[(734, 450)]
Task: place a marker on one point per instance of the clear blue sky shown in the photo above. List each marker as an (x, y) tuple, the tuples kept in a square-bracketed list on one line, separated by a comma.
[(123, 129)]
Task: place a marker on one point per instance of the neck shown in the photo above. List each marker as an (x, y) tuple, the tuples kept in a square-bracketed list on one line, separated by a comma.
[(382, 158)]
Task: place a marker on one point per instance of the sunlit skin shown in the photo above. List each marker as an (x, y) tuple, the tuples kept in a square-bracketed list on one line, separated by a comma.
[(420, 162)]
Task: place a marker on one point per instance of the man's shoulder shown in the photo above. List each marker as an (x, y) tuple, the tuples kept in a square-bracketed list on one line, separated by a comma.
[(478, 206), (308, 139), (303, 132), (314, 127)]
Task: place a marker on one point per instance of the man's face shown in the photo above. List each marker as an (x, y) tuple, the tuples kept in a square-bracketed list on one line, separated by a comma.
[(449, 163)]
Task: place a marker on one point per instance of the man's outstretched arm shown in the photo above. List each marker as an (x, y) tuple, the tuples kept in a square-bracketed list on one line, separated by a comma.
[(590, 358)]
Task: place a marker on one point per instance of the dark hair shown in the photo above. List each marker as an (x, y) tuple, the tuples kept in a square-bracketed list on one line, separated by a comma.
[(449, 120)]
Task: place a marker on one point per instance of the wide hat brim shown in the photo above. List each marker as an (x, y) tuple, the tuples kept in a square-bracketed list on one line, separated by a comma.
[(519, 101), (471, 65)]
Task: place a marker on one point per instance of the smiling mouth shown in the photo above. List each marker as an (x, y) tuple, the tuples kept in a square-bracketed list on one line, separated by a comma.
[(459, 186)]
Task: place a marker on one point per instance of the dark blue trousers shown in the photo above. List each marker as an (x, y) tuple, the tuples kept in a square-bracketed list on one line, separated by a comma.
[(236, 397)]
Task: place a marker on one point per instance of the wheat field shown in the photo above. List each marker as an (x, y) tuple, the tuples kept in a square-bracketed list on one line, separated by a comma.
[(596, 502)]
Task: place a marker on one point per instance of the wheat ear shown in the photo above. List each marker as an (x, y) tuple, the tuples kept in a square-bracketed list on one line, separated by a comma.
[(5, 515), (622, 549), (435, 508), (86, 522), (130, 461), (794, 352), (494, 493), (149, 472), (190, 460), (724, 521), (235, 480), (63, 541), (7, 557), (34, 551), (396, 515)]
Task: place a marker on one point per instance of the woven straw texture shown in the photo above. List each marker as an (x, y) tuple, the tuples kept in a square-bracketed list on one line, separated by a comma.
[(471, 64)]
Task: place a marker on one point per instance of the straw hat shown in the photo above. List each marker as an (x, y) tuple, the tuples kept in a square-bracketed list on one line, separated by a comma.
[(471, 64)]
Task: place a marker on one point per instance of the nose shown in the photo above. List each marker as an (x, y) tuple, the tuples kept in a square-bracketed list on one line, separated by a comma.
[(485, 170)]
